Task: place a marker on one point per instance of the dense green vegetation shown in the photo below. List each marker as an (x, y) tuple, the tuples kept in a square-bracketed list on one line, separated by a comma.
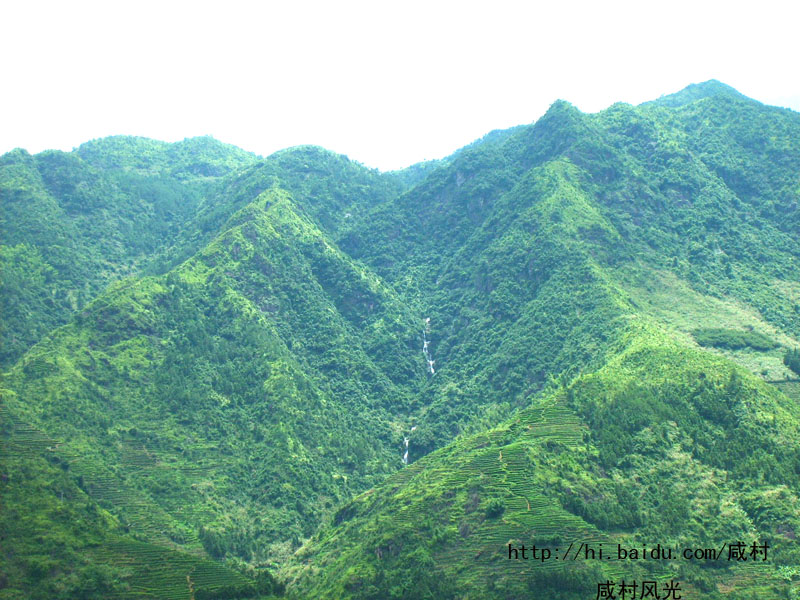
[(74, 222), (214, 363), (614, 457), (638, 197), (792, 360)]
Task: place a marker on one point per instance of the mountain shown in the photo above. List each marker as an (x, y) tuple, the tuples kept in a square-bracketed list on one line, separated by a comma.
[(211, 409), (682, 216), (73, 222), (323, 381), (700, 91)]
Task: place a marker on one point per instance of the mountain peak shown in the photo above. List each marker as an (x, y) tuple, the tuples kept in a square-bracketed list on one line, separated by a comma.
[(699, 91)]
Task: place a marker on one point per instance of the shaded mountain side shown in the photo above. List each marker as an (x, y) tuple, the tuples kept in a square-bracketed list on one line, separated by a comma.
[(411, 176), (624, 191), (685, 188), (72, 222), (521, 302), (424, 226), (662, 445), (660, 199)]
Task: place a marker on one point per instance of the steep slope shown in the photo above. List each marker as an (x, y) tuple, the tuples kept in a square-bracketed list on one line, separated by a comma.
[(331, 190), (632, 215), (665, 208), (59, 543), (72, 222), (225, 407)]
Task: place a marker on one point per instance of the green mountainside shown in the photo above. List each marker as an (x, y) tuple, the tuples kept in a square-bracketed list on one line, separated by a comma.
[(682, 214), (73, 222), (237, 377), (213, 408), (702, 456)]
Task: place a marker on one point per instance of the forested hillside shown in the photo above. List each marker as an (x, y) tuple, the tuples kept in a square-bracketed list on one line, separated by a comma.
[(73, 222), (298, 376), (682, 215)]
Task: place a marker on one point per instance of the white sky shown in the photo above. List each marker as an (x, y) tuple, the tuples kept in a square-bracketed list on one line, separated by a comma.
[(386, 83)]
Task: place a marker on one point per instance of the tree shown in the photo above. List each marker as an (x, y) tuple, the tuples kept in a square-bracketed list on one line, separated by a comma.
[(792, 360)]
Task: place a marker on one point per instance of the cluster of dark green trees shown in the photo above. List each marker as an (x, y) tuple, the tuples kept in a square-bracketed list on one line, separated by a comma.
[(792, 360), (734, 340)]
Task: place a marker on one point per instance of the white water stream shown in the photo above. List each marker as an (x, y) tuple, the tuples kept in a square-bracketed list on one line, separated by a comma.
[(425, 343), (405, 441), (426, 351)]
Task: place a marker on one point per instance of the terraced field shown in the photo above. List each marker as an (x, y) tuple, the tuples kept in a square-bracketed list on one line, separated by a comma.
[(790, 388), (23, 439), (160, 574), (119, 565), (467, 517)]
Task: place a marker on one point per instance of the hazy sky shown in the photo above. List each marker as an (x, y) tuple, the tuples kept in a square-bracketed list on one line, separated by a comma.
[(386, 83)]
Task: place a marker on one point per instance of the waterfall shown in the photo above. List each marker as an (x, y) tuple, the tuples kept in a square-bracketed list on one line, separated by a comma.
[(406, 440), (429, 359), (425, 343)]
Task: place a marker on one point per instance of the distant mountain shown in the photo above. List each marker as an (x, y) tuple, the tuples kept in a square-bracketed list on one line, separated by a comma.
[(73, 222), (323, 381), (193, 158), (700, 91)]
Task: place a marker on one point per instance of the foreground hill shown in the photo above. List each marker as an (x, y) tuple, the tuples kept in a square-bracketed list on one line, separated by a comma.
[(701, 455), (223, 407)]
